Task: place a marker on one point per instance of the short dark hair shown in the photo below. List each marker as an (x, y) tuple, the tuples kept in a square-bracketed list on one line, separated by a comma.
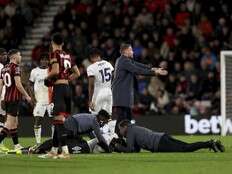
[(124, 46), (57, 38), (104, 114), (44, 55), (95, 52), (2, 50), (12, 52), (124, 123)]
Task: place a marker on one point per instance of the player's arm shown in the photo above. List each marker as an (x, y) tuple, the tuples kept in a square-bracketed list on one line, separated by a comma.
[(142, 65), (101, 139), (31, 91), (55, 68), (137, 69), (129, 148), (31, 86), (20, 87), (91, 90), (75, 73)]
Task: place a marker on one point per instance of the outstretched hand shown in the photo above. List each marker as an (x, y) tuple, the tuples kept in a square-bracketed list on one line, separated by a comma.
[(160, 71)]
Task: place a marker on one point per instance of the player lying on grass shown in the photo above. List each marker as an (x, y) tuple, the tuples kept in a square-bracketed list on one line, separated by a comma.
[(138, 138), (78, 145)]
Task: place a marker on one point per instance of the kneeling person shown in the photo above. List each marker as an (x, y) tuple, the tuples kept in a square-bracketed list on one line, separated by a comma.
[(87, 123), (138, 138)]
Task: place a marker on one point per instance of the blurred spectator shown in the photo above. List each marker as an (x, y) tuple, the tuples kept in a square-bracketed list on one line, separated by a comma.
[(162, 100), (79, 100), (15, 17)]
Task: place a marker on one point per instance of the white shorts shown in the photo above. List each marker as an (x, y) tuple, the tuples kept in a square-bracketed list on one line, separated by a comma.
[(40, 109), (103, 100)]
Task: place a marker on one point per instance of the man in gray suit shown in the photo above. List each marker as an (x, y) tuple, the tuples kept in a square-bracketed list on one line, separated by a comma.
[(138, 138), (123, 83)]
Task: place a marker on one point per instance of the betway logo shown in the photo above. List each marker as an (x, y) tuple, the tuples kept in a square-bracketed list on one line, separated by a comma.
[(206, 126)]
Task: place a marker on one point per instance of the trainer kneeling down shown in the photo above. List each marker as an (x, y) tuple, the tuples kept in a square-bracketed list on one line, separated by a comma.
[(138, 138), (85, 123)]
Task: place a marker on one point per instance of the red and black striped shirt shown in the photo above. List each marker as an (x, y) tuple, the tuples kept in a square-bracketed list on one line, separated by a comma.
[(65, 62), (7, 75)]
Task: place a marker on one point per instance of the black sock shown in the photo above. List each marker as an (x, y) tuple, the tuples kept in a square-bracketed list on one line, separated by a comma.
[(55, 141), (62, 134), (2, 120), (14, 136), (3, 134)]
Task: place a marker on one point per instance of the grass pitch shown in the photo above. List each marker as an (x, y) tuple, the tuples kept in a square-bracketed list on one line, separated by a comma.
[(200, 162)]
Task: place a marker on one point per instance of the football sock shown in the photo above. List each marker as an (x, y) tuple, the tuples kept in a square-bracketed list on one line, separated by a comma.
[(3, 134), (37, 131), (14, 136)]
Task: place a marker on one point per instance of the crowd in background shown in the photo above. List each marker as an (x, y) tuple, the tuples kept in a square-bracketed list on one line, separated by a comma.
[(186, 35), (16, 16)]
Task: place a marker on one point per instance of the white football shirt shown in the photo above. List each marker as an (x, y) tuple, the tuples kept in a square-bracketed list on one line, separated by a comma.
[(42, 92), (102, 71)]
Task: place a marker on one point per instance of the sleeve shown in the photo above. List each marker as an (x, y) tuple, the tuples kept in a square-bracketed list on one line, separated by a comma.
[(130, 144), (97, 131), (90, 71), (142, 65), (32, 76), (17, 71), (133, 68)]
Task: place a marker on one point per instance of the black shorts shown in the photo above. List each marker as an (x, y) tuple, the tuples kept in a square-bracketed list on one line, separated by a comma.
[(12, 108), (61, 100)]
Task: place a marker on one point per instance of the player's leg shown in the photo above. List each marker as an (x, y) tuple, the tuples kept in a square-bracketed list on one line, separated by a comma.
[(62, 131), (170, 144), (62, 107), (12, 110), (38, 113), (2, 121), (107, 101), (9, 128), (50, 115), (2, 114), (57, 97), (101, 101)]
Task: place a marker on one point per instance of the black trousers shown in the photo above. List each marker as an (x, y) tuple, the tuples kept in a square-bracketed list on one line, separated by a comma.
[(120, 113), (170, 144)]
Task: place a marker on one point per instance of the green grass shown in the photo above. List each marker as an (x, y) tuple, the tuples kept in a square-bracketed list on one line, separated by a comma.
[(200, 162)]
